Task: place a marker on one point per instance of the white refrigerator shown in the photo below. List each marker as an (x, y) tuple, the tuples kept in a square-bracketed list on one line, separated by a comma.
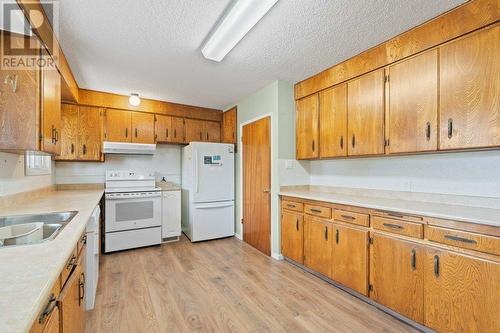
[(207, 190)]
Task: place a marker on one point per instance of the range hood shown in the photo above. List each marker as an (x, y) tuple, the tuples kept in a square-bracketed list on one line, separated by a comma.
[(128, 148)]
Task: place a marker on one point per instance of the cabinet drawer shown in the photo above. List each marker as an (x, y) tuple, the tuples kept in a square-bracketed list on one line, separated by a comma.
[(292, 205), (70, 264), (325, 212), (463, 239), (394, 215), (398, 227), (351, 217)]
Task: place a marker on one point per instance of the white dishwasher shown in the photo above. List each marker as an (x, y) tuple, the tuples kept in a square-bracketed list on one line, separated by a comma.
[(171, 215), (92, 257)]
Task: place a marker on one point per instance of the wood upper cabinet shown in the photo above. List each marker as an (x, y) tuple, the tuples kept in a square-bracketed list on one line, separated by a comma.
[(163, 128), (411, 114), (292, 236), (211, 131), (318, 245), (193, 130), (461, 293), (229, 124), (51, 111), (69, 132), (350, 258), (143, 127), (365, 112), (72, 302), (397, 276), (307, 127), (333, 121), (469, 108), (118, 125), (178, 133)]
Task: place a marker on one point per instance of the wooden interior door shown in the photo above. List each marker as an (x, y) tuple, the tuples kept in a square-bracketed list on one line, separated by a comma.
[(350, 258), (118, 124), (462, 294), (333, 121), (365, 113), (318, 245), (229, 126), (163, 128), (257, 184), (69, 132), (143, 127), (413, 101), (178, 130), (193, 130), (307, 127), (212, 131), (90, 133), (469, 79), (292, 236), (397, 276)]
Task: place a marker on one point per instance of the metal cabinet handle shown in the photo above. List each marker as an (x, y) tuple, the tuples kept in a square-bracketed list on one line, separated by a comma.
[(342, 142), (428, 131), (436, 265), (337, 236), (460, 239), (314, 210), (393, 226), (450, 128), (84, 148), (297, 225), (72, 148), (81, 289), (207, 136), (290, 206), (83, 240), (136, 132), (71, 263), (396, 215), (413, 259), (56, 136), (326, 232), (200, 136), (166, 132), (313, 146), (126, 132), (51, 305), (348, 217), (175, 133), (353, 142)]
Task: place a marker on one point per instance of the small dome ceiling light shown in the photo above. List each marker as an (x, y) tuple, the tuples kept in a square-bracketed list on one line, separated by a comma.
[(134, 99)]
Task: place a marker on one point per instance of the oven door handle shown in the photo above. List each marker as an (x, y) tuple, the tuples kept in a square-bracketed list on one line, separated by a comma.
[(134, 198)]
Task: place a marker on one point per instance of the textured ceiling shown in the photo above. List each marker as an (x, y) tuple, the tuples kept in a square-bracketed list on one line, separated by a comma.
[(152, 47)]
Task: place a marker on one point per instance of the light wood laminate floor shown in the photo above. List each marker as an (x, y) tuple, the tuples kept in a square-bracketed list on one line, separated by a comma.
[(222, 286)]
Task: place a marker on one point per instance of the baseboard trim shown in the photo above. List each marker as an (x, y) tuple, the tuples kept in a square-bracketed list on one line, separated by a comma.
[(238, 236), (277, 256)]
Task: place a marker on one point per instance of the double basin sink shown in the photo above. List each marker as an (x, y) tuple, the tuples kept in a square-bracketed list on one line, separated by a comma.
[(32, 229)]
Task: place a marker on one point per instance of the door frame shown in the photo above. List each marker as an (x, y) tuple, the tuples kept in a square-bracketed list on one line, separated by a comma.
[(240, 143)]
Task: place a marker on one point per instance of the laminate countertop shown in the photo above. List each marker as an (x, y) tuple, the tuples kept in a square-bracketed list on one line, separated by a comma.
[(470, 209), (28, 272)]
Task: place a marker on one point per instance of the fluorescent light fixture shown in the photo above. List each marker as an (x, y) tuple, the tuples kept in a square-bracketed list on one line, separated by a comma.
[(237, 22), (134, 99)]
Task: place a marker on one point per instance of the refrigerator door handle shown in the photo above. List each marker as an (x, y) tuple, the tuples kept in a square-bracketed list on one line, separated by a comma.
[(220, 205), (195, 171)]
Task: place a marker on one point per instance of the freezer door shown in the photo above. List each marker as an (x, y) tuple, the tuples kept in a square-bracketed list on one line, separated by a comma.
[(212, 220), (213, 172)]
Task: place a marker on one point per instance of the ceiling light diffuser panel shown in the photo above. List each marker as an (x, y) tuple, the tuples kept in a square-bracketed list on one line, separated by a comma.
[(235, 24)]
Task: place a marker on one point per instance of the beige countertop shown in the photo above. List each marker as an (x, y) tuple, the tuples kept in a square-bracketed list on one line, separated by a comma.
[(451, 207), (28, 272), (168, 186)]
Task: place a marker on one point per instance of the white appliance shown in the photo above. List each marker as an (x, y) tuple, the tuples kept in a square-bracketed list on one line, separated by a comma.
[(171, 214), (92, 257), (128, 148), (133, 211), (207, 190)]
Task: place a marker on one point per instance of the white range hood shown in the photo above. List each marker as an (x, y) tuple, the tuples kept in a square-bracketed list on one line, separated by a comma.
[(128, 148)]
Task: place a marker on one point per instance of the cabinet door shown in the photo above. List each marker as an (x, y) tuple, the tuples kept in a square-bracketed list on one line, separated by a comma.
[(318, 245), (72, 303), (462, 294), (413, 100), (292, 236), (163, 128), (90, 133), (469, 110), (365, 113), (212, 131), (350, 258), (172, 216), (193, 130), (69, 132), (118, 126), (333, 122), (307, 125), (51, 111), (143, 127), (53, 323), (178, 130), (229, 126), (397, 277)]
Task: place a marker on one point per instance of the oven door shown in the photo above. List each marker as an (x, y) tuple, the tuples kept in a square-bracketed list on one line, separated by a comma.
[(132, 211)]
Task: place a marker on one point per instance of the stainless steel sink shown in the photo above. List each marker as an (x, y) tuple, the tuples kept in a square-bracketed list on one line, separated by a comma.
[(53, 223)]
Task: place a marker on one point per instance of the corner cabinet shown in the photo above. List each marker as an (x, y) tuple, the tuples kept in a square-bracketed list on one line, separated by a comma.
[(307, 127)]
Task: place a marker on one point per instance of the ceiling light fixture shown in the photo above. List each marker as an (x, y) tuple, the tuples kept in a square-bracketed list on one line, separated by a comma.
[(134, 99), (235, 24)]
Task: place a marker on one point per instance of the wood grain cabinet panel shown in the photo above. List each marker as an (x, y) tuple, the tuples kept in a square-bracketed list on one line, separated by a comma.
[(412, 107), (333, 122), (53, 323), (397, 276), (72, 302), (461, 293), (118, 125), (178, 132), (352, 217), (69, 132), (320, 211), (163, 128), (400, 227), (464, 239), (365, 109), (307, 127), (318, 245), (90, 133), (292, 205), (469, 96), (51, 111), (143, 127), (211, 131), (292, 236), (229, 123), (350, 258), (193, 130)]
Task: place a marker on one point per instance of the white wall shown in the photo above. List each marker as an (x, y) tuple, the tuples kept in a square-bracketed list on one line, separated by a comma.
[(466, 173), (13, 180), (165, 162)]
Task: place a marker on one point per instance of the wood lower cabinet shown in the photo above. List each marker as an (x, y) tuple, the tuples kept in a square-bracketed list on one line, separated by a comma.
[(292, 236), (229, 123), (461, 293), (72, 302), (211, 131), (318, 245), (143, 127), (333, 122), (118, 126), (193, 130), (53, 323), (469, 78), (350, 258), (397, 275), (307, 127)]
